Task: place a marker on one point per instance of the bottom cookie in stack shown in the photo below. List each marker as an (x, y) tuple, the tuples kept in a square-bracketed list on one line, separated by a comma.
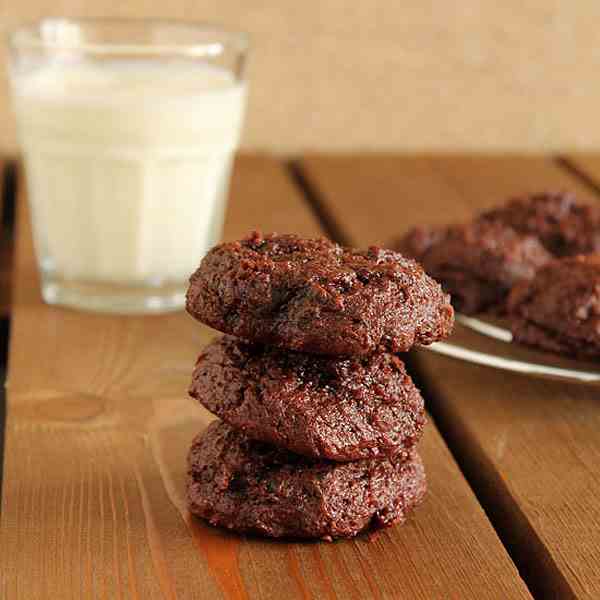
[(251, 486)]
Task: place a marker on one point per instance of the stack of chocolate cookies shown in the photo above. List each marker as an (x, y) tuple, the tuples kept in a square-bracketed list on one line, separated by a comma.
[(319, 418)]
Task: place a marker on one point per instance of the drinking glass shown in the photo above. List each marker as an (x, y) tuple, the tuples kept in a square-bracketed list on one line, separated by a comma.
[(128, 131)]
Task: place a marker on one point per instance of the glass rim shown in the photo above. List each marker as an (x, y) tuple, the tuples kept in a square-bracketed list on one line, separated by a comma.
[(27, 35)]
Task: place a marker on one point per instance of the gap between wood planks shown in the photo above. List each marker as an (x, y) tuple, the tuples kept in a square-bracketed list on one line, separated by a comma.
[(313, 199), (571, 167), (7, 200), (489, 496)]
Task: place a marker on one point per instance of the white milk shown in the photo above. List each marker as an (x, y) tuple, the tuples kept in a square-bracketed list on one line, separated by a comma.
[(127, 165)]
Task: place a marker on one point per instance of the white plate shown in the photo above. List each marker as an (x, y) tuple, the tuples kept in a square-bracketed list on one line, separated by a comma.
[(487, 341)]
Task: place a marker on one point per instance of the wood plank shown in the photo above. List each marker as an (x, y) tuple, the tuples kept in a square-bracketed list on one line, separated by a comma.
[(530, 447), (98, 428), (387, 194)]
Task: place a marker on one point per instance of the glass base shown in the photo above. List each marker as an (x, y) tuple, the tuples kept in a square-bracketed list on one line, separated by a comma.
[(114, 298)]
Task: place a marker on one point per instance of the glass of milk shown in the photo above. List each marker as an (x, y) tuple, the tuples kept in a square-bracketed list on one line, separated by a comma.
[(128, 131)]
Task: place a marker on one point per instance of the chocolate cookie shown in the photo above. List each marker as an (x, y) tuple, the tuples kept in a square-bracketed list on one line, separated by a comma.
[(419, 240), (315, 296), (565, 226), (249, 486), (325, 407), (560, 309), (477, 263)]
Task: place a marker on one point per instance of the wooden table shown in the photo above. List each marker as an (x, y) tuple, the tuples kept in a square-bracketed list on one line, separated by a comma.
[(98, 424)]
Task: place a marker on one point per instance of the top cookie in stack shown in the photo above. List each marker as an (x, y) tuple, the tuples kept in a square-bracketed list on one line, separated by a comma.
[(312, 295), (320, 417)]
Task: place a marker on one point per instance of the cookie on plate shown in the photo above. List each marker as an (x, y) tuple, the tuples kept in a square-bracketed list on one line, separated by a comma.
[(313, 295), (564, 225), (250, 486), (559, 310), (321, 406), (477, 263)]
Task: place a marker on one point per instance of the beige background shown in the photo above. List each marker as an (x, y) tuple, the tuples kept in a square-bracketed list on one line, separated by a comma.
[(394, 75)]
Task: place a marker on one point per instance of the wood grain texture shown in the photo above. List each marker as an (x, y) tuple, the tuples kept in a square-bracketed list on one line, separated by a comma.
[(375, 198), (98, 427), (530, 447)]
